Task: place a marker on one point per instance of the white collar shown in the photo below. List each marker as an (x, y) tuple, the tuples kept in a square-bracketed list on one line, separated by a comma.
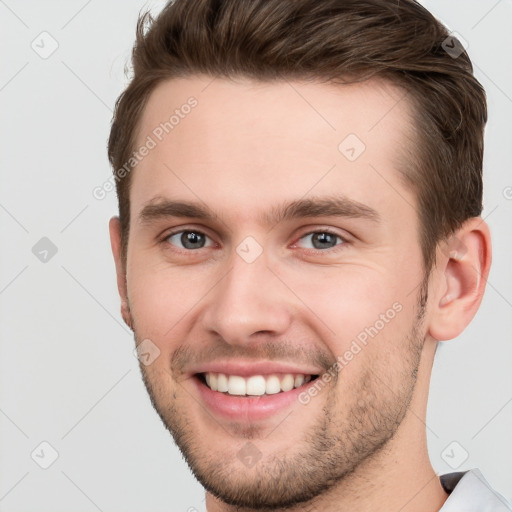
[(469, 491)]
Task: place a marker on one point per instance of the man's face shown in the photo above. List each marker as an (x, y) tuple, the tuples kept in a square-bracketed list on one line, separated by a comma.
[(250, 293)]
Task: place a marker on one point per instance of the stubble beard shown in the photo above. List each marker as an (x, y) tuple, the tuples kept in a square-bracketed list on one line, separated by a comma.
[(354, 427)]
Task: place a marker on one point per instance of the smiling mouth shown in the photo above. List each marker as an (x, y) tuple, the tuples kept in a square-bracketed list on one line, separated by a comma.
[(254, 385)]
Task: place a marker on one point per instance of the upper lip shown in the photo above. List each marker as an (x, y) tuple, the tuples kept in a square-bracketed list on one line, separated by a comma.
[(248, 368)]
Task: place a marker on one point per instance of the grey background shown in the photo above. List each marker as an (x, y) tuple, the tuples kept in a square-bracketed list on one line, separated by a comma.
[(67, 369)]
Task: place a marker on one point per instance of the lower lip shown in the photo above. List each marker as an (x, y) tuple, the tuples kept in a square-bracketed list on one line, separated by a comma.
[(248, 408)]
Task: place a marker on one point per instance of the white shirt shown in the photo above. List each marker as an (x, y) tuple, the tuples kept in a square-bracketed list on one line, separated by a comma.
[(469, 491)]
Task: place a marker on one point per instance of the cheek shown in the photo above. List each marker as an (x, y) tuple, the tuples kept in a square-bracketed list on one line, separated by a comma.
[(349, 299), (369, 313), (160, 299)]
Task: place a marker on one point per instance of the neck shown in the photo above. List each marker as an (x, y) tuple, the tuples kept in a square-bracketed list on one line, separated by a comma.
[(389, 484)]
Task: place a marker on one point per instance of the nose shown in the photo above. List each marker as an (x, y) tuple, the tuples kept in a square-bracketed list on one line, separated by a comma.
[(250, 300)]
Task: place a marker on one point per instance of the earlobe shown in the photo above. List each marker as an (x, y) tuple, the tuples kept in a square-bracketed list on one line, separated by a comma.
[(465, 262), (115, 242)]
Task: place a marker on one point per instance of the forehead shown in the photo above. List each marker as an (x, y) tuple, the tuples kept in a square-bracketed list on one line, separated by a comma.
[(245, 144)]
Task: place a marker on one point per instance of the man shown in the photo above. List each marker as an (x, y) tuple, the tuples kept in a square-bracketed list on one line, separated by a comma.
[(300, 190)]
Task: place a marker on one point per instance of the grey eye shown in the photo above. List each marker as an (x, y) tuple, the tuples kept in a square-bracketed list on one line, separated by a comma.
[(322, 240), (188, 239)]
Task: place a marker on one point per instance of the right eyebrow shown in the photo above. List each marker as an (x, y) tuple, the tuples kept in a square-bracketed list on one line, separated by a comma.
[(157, 209)]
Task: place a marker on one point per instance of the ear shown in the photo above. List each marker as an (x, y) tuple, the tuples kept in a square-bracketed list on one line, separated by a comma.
[(464, 261), (115, 242)]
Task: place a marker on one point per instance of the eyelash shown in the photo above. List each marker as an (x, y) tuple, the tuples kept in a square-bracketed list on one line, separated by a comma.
[(336, 248)]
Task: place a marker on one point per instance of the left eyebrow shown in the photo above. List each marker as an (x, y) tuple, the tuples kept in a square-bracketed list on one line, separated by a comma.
[(330, 206)]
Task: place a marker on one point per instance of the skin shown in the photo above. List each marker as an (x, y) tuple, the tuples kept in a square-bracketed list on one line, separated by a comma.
[(360, 444)]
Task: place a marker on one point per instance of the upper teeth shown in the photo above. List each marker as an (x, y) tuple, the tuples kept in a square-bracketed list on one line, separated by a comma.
[(256, 384)]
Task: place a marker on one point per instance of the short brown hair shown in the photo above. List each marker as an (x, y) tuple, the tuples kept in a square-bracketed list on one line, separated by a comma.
[(330, 40)]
